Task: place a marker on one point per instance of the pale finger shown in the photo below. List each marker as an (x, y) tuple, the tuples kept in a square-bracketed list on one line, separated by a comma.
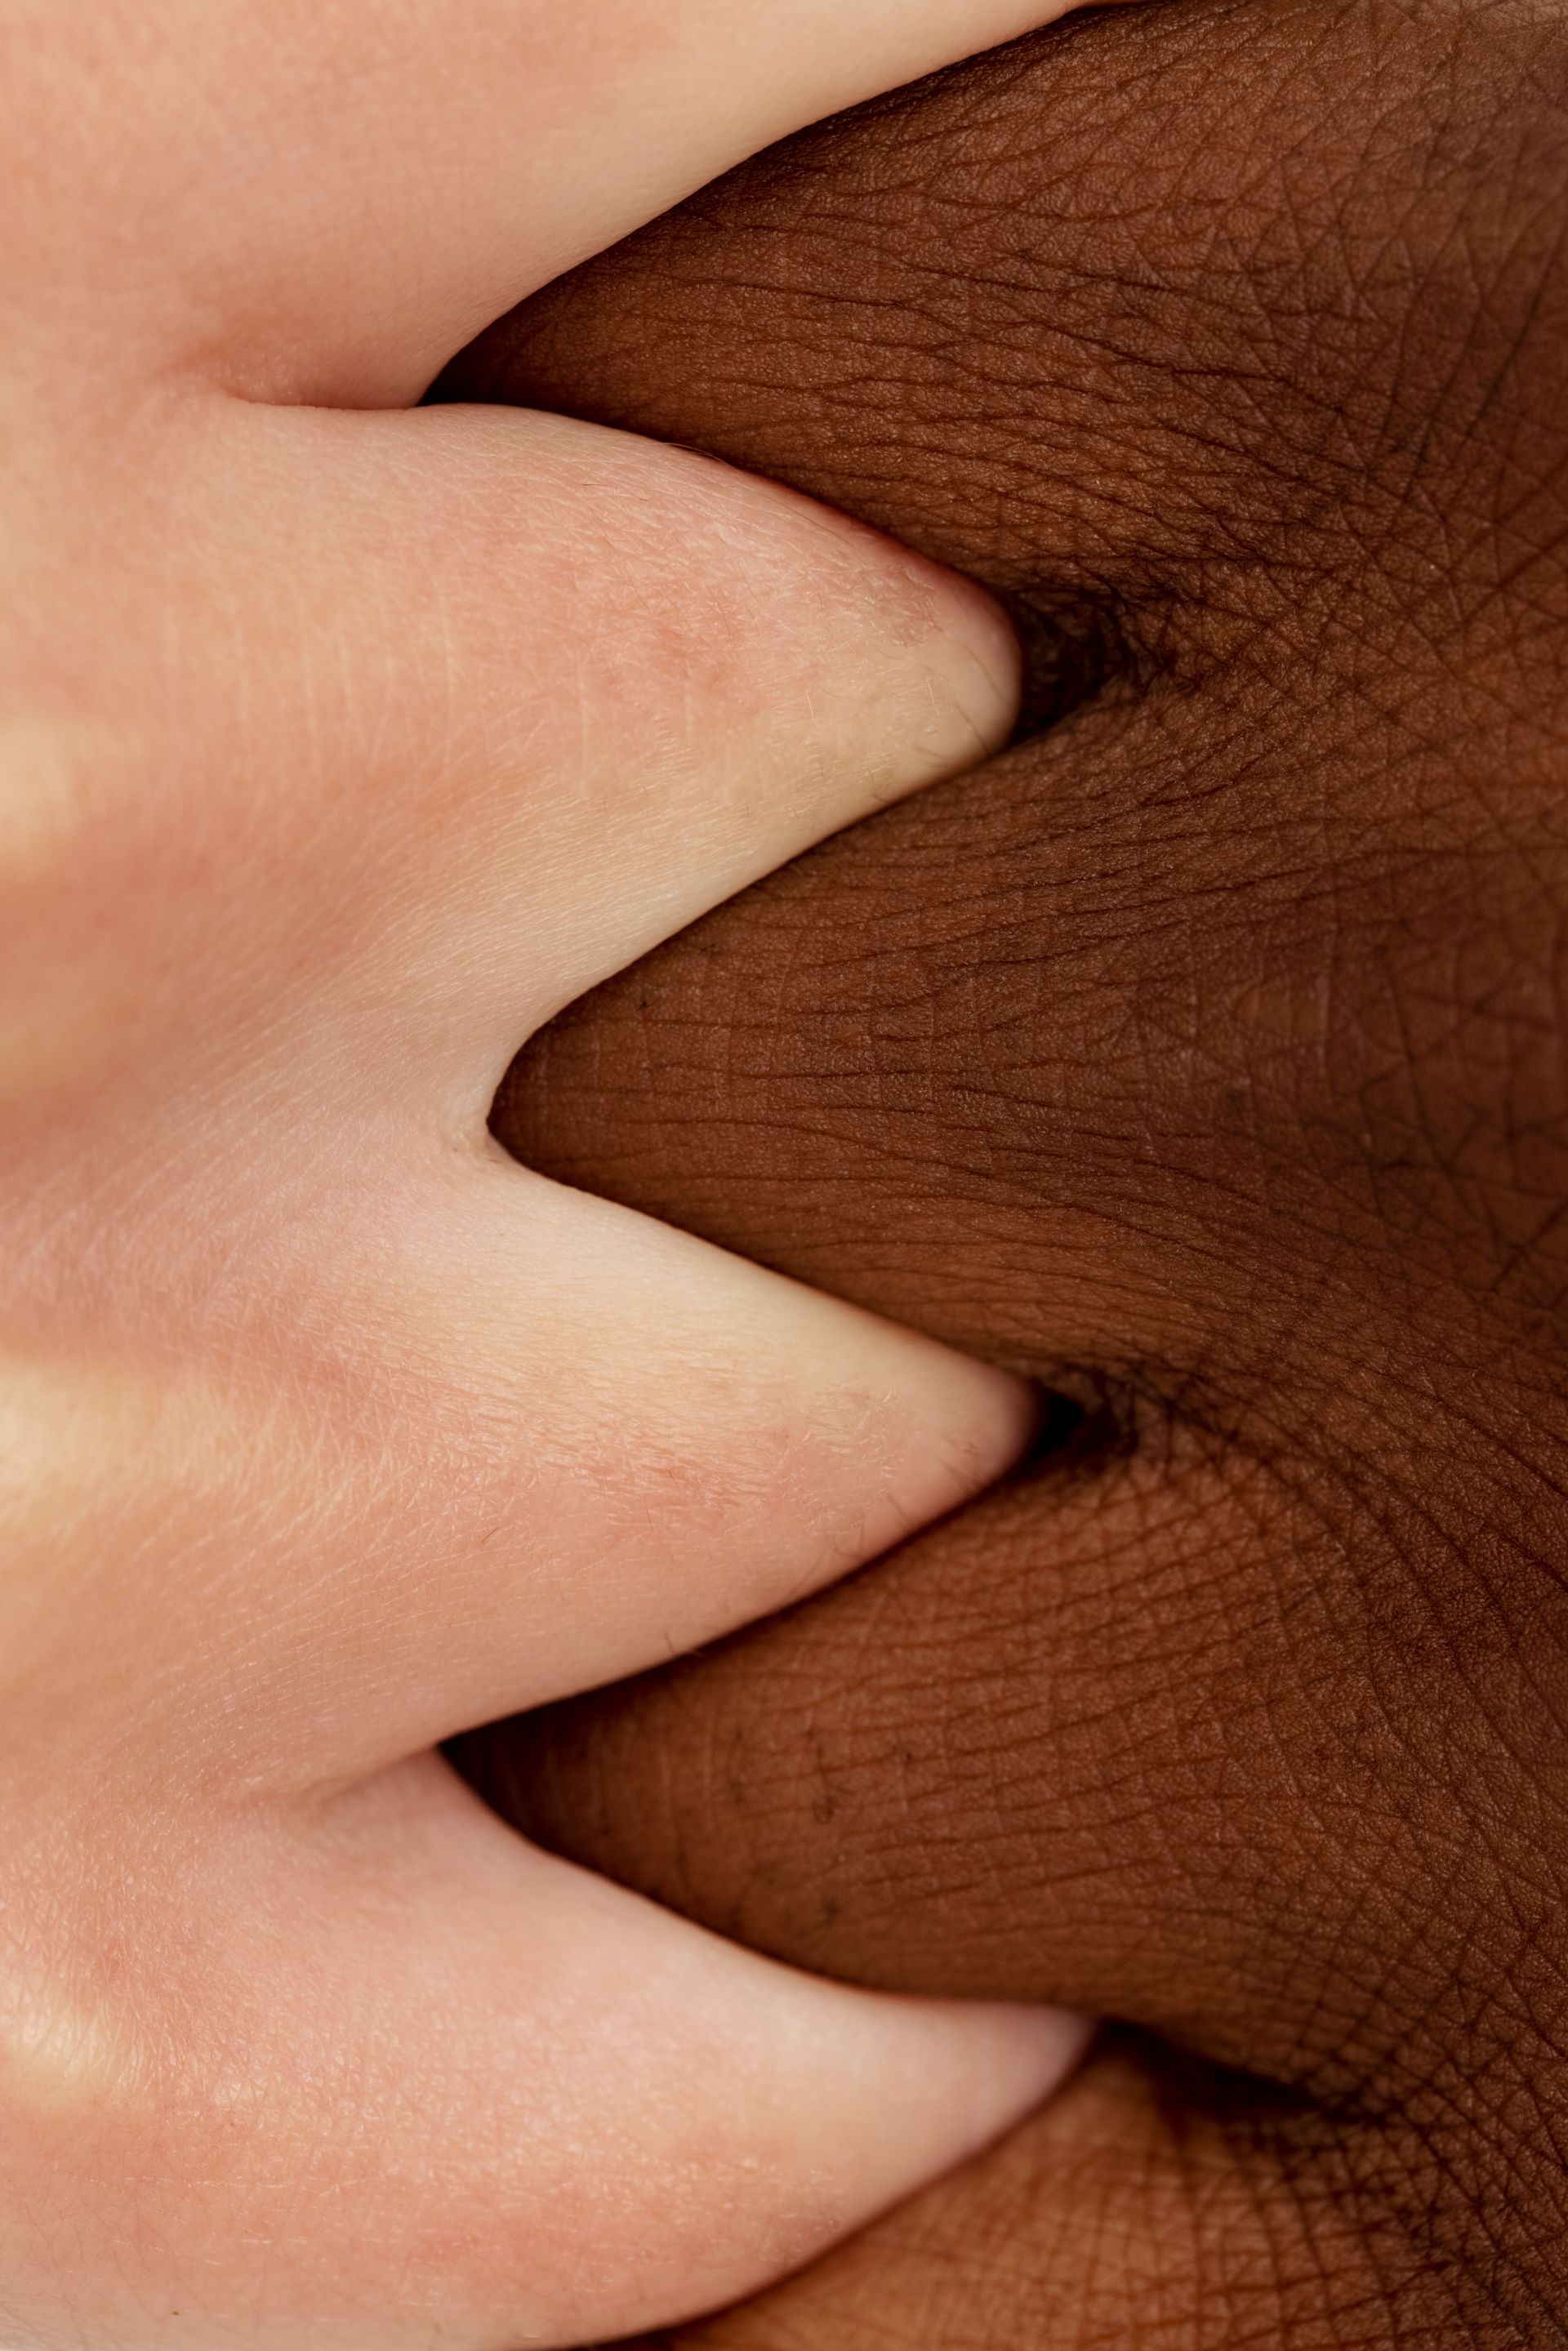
[(380, 178), (510, 700), (382, 2076)]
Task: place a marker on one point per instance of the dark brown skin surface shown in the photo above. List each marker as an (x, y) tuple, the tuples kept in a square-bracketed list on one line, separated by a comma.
[(1205, 1057)]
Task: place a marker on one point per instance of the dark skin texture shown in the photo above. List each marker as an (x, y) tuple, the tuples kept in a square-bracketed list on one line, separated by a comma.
[(1204, 1057)]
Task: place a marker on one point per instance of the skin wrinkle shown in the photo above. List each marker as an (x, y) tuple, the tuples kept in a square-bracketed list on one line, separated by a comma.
[(1203, 1058)]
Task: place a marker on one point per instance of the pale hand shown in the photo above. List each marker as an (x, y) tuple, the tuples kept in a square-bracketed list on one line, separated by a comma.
[(340, 744)]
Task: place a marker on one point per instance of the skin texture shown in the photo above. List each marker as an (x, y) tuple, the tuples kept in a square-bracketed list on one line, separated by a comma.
[(1202, 1058), (341, 739)]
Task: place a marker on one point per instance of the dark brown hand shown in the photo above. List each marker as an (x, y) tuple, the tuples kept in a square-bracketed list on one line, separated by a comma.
[(1204, 1057)]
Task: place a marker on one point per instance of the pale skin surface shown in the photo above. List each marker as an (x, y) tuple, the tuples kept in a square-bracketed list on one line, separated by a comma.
[(338, 746)]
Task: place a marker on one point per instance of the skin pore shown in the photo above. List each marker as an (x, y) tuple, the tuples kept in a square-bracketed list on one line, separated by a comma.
[(1202, 1059)]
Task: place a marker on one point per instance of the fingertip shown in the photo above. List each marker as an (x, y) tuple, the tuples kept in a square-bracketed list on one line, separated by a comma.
[(943, 2080), (1027, 2055), (961, 675), (973, 1422), (981, 669)]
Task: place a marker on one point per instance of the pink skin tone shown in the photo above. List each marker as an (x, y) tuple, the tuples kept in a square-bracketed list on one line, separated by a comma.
[(340, 744)]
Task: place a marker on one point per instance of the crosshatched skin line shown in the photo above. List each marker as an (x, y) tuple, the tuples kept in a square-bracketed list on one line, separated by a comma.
[(1202, 1059)]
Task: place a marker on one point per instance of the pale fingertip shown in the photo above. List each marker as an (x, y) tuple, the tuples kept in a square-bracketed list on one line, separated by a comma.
[(966, 1424), (1015, 2059), (977, 672)]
